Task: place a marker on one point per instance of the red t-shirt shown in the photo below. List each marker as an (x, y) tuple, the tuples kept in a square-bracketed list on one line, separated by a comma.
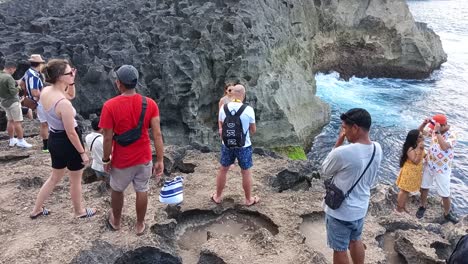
[(121, 114)]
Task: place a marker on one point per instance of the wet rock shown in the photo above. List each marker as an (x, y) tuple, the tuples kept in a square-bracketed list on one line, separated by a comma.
[(101, 252), (148, 255), (420, 246)]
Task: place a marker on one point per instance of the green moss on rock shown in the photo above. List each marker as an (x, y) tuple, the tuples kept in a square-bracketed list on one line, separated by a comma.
[(292, 152)]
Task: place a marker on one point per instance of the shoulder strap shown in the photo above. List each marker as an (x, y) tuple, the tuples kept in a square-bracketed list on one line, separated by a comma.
[(92, 143), (143, 111), (372, 158), (226, 110), (241, 109)]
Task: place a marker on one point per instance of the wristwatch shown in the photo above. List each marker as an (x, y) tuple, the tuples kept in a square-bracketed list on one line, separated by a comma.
[(437, 132), (105, 161)]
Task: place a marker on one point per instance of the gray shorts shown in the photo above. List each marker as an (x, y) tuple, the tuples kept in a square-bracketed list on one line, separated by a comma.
[(139, 175)]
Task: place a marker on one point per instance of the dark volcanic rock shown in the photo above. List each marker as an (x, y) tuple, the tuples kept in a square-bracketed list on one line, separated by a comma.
[(186, 50), (148, 255), (100, 252)]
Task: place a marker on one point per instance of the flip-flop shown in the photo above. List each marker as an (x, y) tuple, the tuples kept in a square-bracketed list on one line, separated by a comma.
[(142, 232), (43, 212), (89, 213), (213, 200), (256, 200), (109, 225)]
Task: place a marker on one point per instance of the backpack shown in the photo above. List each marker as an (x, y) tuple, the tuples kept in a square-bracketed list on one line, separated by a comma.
[(460, 253), (232, 131)]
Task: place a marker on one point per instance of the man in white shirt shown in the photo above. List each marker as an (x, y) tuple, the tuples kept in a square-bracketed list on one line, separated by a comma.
[(346, 164), (242, 154), (94, 143)]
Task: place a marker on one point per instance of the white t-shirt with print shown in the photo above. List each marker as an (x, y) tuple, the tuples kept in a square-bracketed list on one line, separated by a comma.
[(247, 117), (438, 160)]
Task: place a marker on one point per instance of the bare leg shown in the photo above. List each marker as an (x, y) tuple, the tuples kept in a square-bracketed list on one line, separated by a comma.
[(76, 191), (141, 204), (46, 189), (356, 249), (247, 185), (340, 257), (117, 201), (220, 183), (401, 200), (44, 130), (447, 206), (424, 193), (18, 130), (11, 128)]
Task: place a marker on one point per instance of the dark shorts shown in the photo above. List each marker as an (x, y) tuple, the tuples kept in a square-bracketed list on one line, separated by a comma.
[(340, 233), (243, 155), (24, 110), (63, 153)]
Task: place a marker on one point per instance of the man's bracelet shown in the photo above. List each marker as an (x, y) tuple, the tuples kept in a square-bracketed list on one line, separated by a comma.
[(437, 132), (105, 161)]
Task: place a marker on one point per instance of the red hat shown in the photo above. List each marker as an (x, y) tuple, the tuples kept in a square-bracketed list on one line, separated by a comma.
[(439, 118)]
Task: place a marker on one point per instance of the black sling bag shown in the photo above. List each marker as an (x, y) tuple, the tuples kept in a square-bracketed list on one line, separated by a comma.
[(334, 196), (132, 135)]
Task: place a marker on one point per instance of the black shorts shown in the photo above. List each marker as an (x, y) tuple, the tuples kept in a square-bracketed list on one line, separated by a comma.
[(62, 151)]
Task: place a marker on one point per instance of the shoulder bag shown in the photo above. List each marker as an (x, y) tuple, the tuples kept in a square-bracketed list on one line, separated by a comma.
[(334, 196)]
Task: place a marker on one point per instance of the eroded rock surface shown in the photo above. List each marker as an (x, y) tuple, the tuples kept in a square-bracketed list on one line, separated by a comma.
[(186, 51)]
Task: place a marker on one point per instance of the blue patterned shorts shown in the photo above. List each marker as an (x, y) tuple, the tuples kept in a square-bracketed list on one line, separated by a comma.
[(243, 155)]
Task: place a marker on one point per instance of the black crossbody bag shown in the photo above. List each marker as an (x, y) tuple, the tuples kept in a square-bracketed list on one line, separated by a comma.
[(334, 196), (132, 135)]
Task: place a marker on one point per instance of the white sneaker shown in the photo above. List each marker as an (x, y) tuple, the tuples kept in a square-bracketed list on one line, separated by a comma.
[(23, 144), (13, 142)]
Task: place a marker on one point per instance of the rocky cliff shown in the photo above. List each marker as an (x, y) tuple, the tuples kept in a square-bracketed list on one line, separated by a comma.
[(186, 51)]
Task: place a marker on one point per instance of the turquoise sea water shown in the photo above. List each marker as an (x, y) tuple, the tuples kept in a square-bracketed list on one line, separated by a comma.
[(398, 106)]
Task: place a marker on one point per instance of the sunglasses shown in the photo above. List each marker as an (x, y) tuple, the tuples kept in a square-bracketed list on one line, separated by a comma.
[(71, 73)]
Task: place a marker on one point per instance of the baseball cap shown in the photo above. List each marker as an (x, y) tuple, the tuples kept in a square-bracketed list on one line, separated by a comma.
[(439, 118), (128, 75)]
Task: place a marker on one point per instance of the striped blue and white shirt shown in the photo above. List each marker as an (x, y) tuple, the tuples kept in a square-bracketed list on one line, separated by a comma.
[(33, 80)]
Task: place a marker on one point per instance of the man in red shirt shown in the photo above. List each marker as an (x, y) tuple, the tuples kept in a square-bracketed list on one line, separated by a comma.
[(131, 163)]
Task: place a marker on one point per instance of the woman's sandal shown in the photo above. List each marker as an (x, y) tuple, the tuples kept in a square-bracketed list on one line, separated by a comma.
[(43, 212), (89, 213)]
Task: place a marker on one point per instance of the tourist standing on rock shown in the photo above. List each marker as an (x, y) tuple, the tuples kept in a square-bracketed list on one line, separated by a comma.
[(65, 145), (125, 120), (439, 163), (355, 164), (9, 101), (33, 83), (411, 164), (94, 141), (242, 151)]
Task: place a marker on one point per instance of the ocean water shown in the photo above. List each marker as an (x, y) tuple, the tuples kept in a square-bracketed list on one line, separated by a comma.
[(397, 106)]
